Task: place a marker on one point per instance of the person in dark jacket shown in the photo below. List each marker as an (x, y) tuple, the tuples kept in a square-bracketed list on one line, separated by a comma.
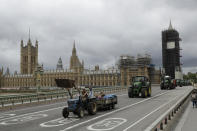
[(194, 98)]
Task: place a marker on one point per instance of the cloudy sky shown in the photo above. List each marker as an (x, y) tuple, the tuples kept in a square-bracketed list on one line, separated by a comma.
[(102, 29)]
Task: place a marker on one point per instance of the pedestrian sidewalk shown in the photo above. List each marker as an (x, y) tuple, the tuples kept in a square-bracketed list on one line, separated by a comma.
[(188, 121)]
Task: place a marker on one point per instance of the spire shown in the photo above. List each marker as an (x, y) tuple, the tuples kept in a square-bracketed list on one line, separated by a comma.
[(29, 32), (7, 71), (29, 41), (74, 49), (170, 26)]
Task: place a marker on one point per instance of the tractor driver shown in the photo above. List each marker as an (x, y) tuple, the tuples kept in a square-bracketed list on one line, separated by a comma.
[(142, 81), (84, 95), (91, 93), (101, 95)]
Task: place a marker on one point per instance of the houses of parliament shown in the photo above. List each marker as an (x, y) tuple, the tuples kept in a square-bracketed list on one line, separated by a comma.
[(120, 76)]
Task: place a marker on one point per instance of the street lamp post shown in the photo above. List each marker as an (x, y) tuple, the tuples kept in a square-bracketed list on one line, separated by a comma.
[(38, 74)]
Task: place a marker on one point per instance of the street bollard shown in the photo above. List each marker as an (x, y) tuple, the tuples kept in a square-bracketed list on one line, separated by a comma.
[(161, 126), (166, 121), (169, 117)]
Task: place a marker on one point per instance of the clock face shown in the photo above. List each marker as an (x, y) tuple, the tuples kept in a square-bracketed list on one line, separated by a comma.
[(171, 45)]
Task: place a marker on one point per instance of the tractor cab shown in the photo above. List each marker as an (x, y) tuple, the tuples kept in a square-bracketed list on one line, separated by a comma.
[(167, 83), (139, 80)]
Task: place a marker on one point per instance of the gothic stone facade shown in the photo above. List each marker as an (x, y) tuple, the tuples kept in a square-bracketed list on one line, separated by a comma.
[(96, 77), (110, 77), (29, 57)]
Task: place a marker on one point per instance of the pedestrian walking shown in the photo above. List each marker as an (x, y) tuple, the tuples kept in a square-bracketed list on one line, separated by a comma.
[(194, 98)]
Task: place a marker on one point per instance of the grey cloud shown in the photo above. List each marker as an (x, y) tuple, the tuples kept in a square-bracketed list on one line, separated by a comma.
[(103, 30)]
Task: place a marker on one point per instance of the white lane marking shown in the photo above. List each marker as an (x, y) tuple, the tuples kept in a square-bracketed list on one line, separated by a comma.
[(32, 113), (135, 123), (36, 107), (6, 115), (23, 119), (122, 95), (58, 122), (68, 128), (106, 124), (39, 111)]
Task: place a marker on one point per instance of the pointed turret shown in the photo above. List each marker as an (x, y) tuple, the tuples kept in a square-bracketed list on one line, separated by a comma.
[(15, 73), (59, 64), (36, 43), (7, 71), (21, 43), (2, 69), (83, 63), (170, 26)]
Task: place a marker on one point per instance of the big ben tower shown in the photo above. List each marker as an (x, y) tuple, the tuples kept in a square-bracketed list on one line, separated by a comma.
[(171, 51)]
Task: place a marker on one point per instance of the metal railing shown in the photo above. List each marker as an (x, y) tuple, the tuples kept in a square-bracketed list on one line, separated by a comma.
[(170, 114), (23, 99)]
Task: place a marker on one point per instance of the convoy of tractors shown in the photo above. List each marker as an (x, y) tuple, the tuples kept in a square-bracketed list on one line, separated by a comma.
[(84, 100), (168, 83)]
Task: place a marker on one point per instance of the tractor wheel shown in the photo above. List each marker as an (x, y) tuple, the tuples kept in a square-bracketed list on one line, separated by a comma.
[(113, 106), (144, 93), (92, 108), (109, 107), (161, 87), (149, 91), (65, 112), (80, 112), (130, 93)]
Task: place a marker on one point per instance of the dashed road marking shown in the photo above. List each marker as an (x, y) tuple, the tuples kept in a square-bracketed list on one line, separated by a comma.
[(23, 119), (6, 115), (32, 113), (58, 122), (106, 124)]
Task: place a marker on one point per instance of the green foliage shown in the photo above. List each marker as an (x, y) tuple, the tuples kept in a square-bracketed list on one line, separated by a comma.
[(190, 76)]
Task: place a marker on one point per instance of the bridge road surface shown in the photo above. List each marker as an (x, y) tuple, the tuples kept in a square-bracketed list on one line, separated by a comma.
[(133, 114)]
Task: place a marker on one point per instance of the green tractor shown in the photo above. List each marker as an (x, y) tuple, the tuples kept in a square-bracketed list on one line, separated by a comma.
[(178, 82), (167, 83), (141, 87)]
